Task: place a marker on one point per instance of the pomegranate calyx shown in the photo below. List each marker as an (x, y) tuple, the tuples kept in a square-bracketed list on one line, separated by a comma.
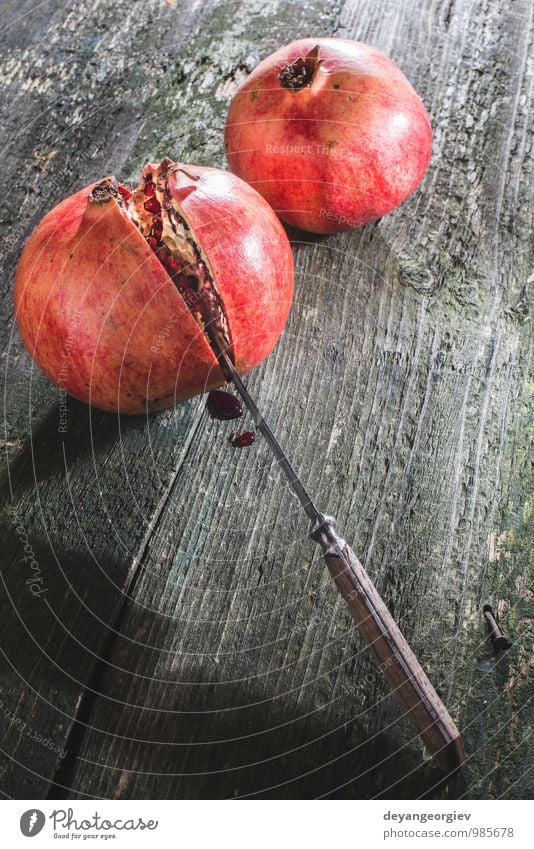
[(106, 189), (300, 74)]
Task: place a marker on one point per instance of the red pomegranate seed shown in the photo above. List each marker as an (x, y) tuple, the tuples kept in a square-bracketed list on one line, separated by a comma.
[(173, 265), (149, 189), (152, 205), (125, 192), (157, 230), (243, 440), (224, 405)]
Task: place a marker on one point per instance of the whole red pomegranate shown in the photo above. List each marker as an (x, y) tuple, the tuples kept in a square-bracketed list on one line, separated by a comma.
[(330, 132), (125, 298)]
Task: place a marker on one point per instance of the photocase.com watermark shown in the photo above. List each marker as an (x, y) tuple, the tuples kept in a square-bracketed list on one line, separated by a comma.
[(345, 220), (165, 333), (30, 732), (331, 150), (66, 826), (63, 374), (36, 580), (32, 822), (191, 297)]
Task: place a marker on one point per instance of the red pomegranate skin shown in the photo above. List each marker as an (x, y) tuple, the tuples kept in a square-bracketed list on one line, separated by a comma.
[(102, 318), (341, 151)]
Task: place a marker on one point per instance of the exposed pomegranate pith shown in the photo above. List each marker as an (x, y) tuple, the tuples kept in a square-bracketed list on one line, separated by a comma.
[(168, 235), (125, 298)]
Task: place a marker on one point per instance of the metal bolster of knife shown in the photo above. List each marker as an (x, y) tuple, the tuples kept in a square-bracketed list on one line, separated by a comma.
[(323, 531)]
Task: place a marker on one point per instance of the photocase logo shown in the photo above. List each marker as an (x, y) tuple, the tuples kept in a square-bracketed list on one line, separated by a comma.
[(31, 822)]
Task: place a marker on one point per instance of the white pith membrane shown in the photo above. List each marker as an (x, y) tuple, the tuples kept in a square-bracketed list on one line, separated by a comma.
[(160, 219)]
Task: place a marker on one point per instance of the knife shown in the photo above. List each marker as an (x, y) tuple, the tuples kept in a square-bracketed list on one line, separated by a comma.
[(374, 621)]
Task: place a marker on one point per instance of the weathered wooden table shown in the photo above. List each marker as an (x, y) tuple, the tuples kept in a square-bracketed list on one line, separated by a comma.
[(400, 388)]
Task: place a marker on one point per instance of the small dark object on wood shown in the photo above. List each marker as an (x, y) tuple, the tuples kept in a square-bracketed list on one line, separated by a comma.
[(499, 641)]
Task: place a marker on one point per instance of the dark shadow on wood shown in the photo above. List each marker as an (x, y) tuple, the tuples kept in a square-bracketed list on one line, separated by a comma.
[(202, 737), (53, 625), (88, 432), (63, 570)]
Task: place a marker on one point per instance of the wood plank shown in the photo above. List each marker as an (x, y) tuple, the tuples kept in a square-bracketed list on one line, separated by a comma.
[(398, 387), (81, 503)]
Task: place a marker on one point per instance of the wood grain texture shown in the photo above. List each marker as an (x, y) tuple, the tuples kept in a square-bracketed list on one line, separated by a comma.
[(400, 389)]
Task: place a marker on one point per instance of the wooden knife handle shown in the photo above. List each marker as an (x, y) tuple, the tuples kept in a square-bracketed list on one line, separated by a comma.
[(395, 657)]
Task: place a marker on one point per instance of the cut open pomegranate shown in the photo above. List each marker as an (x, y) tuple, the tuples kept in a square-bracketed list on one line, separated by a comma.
[(125, 297)]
